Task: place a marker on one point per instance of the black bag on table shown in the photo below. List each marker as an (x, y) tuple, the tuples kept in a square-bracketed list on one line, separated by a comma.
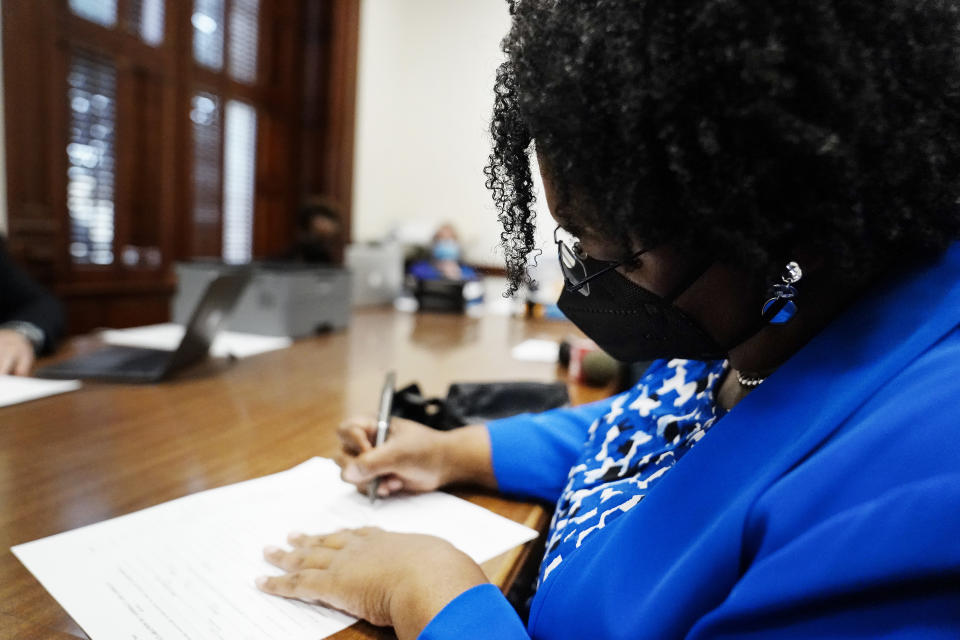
[(473, 402)]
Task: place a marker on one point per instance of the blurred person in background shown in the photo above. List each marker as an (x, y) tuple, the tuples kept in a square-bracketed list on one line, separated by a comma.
[(31, 319), (445, 259), (319, 233)]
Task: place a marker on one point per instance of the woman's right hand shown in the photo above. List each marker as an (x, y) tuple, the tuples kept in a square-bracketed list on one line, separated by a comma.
[(415, 458), (410, 460)]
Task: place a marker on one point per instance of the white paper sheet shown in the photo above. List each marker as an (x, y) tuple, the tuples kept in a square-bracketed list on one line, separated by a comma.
[(185, 569), (168, 335), (15, 389), (535, 350)]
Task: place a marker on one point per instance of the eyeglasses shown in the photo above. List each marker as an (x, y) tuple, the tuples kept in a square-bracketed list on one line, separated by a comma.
[(572, 264)]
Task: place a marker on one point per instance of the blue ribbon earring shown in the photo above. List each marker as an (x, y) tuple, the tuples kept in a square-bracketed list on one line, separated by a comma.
[(780, 307)]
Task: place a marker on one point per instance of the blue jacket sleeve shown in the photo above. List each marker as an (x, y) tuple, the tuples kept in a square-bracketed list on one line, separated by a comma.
[(532, 453), (481, 612), (853, 576)]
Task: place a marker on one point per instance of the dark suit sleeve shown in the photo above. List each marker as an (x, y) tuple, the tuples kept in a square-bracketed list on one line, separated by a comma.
[(22, 299)]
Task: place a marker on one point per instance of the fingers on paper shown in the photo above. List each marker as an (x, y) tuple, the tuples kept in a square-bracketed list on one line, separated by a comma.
[(307, 561), (337, 540), (299, 559), (306, 584)]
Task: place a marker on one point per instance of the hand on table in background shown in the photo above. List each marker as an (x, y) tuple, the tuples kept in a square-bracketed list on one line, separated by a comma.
[(16, 353), (374, 574)]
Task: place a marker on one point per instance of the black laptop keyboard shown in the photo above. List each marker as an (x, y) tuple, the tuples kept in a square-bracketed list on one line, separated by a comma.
[(129, 359), (112, 362)]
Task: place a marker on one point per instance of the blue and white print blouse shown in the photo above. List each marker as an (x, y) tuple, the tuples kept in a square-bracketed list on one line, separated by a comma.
[(631, 447)]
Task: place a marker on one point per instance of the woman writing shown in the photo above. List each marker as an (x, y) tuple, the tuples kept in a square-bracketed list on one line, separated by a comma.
[(765, 195)]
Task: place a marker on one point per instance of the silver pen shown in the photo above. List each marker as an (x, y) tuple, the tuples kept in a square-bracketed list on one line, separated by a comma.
[(383, 425)]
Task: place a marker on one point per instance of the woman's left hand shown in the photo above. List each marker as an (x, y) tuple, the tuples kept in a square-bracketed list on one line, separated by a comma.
[(391, 579)]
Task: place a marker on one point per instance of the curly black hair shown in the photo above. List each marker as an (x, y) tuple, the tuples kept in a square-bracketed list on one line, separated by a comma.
[(736, 129)]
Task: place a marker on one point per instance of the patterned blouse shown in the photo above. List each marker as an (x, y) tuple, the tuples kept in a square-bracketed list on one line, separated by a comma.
[(629, 449)]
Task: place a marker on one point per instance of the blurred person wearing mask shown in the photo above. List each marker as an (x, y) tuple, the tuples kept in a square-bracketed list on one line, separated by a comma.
[(444, 262)]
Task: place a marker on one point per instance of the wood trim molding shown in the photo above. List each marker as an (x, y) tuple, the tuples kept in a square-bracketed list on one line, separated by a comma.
[(331, 45)]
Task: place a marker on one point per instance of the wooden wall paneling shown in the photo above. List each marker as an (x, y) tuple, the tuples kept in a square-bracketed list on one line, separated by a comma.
[(342, 70), (116, 308), (313, 111), (331, 39), (179, 29), (272, 228), (31, 225), (56, 111), (126, 172), (148, 76), (148, 161), (172, 142), (277, 163), (123, 14)]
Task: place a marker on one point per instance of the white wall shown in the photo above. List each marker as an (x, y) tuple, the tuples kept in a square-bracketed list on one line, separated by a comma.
[(425, 96)]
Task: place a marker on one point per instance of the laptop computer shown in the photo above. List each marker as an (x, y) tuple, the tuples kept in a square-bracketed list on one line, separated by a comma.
[(439, 295), (377, 273), (135, 364)]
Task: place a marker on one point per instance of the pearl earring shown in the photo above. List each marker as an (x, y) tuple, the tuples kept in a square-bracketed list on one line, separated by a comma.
[(781, 306)]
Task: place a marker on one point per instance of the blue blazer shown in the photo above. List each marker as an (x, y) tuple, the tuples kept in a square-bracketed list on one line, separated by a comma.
[(825, 504)]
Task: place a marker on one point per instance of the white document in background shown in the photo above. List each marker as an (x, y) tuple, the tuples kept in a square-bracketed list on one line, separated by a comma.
[(536, 350), (16, 389), (168, 335), (185, 569)]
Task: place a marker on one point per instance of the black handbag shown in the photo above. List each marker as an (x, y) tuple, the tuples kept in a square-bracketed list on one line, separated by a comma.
[(474, 402)]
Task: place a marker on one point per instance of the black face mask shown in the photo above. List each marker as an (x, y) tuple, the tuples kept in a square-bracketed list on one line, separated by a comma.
[(633, 324)]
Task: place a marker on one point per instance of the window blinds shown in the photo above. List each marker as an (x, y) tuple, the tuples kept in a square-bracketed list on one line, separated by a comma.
[(242, 57), (227, 42), (146, 20), (208, 33), (103, 12), (91, 96), (239, 162)]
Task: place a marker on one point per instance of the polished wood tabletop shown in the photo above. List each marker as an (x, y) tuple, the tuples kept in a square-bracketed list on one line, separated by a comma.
[(109, 449)]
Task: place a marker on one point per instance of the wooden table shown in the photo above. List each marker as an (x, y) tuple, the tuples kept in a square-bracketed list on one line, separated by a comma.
[(106, 450)]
